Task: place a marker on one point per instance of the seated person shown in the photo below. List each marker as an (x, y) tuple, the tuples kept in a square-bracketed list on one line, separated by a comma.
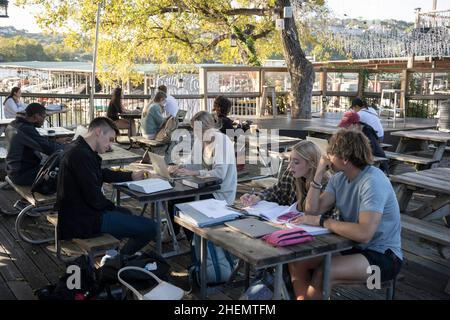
[(368, 211), (351, 118), (115, 107), (171, 106), (221, 108), (295, 182), (84, 211), (152, 117), (12, 104), (369, 116), (217, 160), (25, 145)]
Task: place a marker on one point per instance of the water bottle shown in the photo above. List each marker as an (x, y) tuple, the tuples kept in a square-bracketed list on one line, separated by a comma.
[(108, 255), (51, 134)]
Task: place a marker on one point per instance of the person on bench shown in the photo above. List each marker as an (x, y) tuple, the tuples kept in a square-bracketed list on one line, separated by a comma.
[(368, 115), (295, 182), (83, 210), (25, 145), (115, 108), (368, 211), (152, 117)]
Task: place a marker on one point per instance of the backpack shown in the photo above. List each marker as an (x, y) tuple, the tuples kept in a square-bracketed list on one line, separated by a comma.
[(219, 267), (164, 133), (47, 177), (89, 287)]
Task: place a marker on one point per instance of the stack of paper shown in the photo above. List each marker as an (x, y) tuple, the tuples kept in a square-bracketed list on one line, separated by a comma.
[(206, 213), (151, 185), (312, 230)]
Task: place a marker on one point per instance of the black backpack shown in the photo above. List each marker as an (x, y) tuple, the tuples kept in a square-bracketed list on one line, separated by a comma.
[(47, 177)]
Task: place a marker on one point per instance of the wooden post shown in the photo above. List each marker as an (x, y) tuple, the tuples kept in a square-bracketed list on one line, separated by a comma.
[(360, 85), (404, 90), (323, 88)]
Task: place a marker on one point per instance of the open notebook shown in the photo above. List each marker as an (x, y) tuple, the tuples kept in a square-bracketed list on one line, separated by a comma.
[(277, 214), (147, 185)]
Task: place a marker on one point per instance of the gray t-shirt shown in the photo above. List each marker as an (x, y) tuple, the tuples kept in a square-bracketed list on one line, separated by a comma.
[(370, 191)]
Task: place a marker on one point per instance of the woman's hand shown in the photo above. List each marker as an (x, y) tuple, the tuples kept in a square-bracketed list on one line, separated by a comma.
[(250, 199), (307, 219), (140, 175), (172, 169), (324, 164)]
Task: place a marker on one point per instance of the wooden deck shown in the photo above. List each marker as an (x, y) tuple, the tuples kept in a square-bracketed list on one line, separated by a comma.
[(25, 268)]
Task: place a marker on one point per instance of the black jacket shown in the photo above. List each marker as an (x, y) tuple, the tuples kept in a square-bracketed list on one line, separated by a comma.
[(370, 133), (25, 145), (225, 123), (80, 201)]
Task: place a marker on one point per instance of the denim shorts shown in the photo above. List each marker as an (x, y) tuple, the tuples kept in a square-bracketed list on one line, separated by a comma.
[(388, 262)]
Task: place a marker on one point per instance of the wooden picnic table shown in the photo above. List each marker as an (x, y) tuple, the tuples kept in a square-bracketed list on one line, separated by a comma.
[(178, 191), (118, 156), (436, 180), (261, 255), (51, 111)]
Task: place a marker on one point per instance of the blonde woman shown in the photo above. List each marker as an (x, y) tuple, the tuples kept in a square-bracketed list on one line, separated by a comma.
[(294, 184)]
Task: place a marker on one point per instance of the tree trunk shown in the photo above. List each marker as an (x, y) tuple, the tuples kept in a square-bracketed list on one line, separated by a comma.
[(301, 70)]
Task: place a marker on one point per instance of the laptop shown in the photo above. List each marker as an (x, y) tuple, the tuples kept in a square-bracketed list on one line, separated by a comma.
[(181, 114), (253, 228), (160, 166), (321, 143)]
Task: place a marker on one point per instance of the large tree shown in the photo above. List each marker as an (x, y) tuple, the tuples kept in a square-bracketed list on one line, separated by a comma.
[(186, 31)]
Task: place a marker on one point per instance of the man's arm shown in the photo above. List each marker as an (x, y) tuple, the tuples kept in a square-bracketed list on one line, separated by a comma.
[(110, 176), (33, 139), (361, 232)]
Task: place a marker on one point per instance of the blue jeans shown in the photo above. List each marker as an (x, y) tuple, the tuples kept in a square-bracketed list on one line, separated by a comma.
[(121, 223)]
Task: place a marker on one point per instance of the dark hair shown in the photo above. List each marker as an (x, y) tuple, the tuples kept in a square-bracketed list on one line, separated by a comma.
[(159, 96), (14, 90), (359, 102), (162, 88), (34, 108), (104, 123), (223, 104), (115, 104)]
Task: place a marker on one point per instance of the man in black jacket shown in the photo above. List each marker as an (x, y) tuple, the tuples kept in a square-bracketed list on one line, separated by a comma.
[(25, 146), (84, 211)]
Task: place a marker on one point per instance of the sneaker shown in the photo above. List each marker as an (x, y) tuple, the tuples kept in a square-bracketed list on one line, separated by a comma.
[(166, 237)]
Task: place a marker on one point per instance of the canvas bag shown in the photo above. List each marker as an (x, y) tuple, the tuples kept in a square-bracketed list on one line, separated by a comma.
[(164, 133)]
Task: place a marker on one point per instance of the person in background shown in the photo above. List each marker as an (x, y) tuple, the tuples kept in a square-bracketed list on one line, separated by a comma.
[(171, 103), (25, 145), (351, 118), (217, 160), (152, 117), (115, 107), (369, 116), (221, 108), (12, 103), (369, 215), (83, 209), (295, 182)]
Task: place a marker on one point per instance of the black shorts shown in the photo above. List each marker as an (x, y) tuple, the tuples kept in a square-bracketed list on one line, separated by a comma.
[(388, 262)]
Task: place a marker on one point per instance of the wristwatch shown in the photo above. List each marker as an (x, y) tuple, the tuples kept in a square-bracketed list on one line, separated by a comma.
[(322, 219)]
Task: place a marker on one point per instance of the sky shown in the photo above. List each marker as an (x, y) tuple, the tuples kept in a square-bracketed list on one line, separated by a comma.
[(366, 9)]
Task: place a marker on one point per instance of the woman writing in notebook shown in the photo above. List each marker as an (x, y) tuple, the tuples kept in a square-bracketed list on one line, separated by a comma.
[(294, 184), (212, 156)]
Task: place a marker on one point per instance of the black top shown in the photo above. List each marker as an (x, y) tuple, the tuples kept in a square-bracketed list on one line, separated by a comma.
[(80, 200), (24, 147), (226, 123), (370, 133), (113, 111)]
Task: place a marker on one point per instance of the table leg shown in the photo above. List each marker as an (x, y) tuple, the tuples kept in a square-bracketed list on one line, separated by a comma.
[(118, 197), (278, 282), (158, 223), (247, 275), (326, 276), (203, 265)]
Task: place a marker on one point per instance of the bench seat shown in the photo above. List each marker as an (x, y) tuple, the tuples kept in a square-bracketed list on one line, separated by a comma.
[(37, 200), (409, 158), (427, 230)]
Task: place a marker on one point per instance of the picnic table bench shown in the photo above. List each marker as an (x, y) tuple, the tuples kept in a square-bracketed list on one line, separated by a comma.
[(418, 162)]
